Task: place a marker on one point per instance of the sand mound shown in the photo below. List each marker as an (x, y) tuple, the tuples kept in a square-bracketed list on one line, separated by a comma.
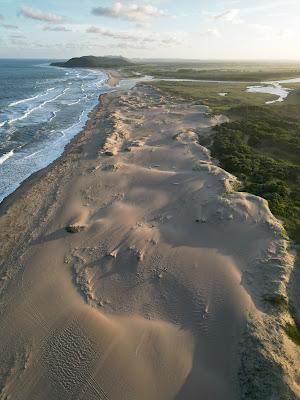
[(163, 294), (93, 356)]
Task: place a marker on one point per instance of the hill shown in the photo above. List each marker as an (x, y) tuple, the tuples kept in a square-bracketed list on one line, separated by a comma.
[(94, 62)]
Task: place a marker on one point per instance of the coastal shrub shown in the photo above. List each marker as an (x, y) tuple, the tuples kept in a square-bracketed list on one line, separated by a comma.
[(293, 332), (263, 152), (197, 71), (277, 300)]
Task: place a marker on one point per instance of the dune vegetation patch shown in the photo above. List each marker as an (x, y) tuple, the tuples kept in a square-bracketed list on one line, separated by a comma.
[(283, 305), (250, 72), (278, 301), (260, 144), (263, 152), (293, 332)]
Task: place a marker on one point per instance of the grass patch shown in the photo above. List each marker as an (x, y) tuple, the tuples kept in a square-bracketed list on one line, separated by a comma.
[(294, 97), (208, 94), (278, 301), (293, 332), (281, 303), (243, 72)]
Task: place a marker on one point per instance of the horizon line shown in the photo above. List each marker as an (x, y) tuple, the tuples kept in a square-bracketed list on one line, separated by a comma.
[(164, 59)]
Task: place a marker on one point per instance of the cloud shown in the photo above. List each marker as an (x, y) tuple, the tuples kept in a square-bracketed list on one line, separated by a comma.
[(113, 34), (18, 40), (39, 15), (1, 17), (139, 37), (269, 32), (60, 28), (17, 36), (10, 27), (272, 4), (131, 12), (211, 33), (228, 15)]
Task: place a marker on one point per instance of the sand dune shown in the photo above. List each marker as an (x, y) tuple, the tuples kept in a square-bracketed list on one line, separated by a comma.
[(160, 294)]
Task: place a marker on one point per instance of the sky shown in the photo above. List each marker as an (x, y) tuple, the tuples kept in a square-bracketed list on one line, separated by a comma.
[(191, 29)]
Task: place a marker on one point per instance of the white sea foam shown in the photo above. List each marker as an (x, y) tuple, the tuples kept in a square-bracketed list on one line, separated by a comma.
[(32, 155), (77, 124), (6, 156), (15, 103), (46, 122), (53, 115), (75, 102), (31, 110), (100, 83)]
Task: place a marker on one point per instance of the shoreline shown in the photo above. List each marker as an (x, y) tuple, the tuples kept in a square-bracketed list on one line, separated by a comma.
[(43, 180), (39, 174), (147, 202), (113, 80), (114, 77)]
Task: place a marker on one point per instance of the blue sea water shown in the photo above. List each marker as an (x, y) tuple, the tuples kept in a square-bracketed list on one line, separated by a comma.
[(41, 109)]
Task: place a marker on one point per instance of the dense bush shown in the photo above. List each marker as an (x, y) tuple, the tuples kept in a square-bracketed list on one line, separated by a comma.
[(264, 152)]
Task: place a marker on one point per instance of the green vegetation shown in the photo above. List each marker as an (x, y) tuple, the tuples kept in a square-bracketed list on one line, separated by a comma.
[(293, 332), (282, 304), (293, 329), (261, 144), (264, 154), (294, 97), (245, 72), (278, 301), (94, 62), (208, 94)]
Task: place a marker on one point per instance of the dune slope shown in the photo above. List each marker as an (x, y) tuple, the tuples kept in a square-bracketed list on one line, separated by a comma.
[(155, 290)]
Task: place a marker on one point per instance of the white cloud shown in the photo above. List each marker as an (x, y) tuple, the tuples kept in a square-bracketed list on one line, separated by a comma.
[(232, 15), (124, 35), (139, 38), (272, 4), (211, 33), (59, 28), (17, 36), (18, 40), (269, 32), (10, 27), (130, 12), (39, 15), (1, 17)]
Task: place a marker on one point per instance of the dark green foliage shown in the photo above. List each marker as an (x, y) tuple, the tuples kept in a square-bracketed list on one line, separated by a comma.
[(214, 71), (75, 228), (293, 332), (264, 152), (223, 75), (94, 62), (279, 301)]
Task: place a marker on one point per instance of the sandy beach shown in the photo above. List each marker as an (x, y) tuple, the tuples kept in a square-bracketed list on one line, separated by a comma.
[(132, 269)]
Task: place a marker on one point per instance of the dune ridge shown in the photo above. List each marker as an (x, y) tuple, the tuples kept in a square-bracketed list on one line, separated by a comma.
[(161, 294)]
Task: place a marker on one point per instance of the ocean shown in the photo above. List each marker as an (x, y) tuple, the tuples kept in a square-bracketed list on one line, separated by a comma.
[(41, 109)]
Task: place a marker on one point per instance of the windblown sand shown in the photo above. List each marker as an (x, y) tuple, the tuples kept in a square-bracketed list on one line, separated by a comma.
[(159, 293)]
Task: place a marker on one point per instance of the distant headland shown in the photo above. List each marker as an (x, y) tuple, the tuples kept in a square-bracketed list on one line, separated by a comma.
[(94, 62)]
